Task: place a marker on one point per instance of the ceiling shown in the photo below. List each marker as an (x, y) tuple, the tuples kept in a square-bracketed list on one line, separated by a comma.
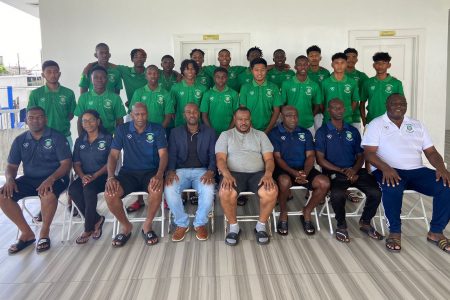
[(29, 6)]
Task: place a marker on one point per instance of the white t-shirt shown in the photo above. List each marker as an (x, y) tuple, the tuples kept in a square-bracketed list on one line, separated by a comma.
[(400, 148)]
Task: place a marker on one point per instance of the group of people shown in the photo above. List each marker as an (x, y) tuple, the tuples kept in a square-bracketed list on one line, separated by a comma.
[(259, 129)]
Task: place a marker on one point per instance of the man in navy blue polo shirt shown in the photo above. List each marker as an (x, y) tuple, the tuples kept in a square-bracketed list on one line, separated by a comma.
[(339, 153), (294, 157), (144, 147), (46, 159)]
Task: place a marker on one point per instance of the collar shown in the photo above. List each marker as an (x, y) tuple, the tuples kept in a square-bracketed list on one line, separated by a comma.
[(183, 82), (147, 89), (406, 119), (198, 130), (133, 129), (332, 127), (93, 93), (225, 89), (307, 80), (99, 136), (388, 78), (47, 90), (47, 133), (133, 71), (282, 129), (344, 79), (256, 84)]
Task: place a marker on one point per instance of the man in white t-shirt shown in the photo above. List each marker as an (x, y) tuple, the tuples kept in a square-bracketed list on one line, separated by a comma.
[(393, 145)]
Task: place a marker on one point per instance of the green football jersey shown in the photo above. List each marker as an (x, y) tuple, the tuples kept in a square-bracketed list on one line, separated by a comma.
[(114, 80), (278, 77), (318, 76), (359, 77), (158, 103), (131, 80), (181, 94)]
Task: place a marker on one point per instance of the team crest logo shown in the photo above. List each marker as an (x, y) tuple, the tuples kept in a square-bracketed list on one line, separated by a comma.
[(203, 80), (198, 94), (329, 136), (111, 77), (232, 75), (227, 99), (133, 75), (349, 136), (283, 137), (269, 93), (273, 76), (308, 91), (143, 98), (62, 100), (321, 77), (129, 136), (91, 103), (288, 77), (107, 103), (388, 88), (409, 128), (149, 138), (101, 145), (294, 89), (48, 144), (301, 136), (82, 147), (42, 99), (332, 88), (347, 88), (372, 88), (25, 145), (160, 99), (181, 93), (252, 93), (247, 80)]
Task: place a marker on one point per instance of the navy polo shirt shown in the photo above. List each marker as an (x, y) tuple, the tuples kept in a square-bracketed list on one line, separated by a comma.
[(340, 147), (41, 157), (140, 151), (92, 156), (292, 145)]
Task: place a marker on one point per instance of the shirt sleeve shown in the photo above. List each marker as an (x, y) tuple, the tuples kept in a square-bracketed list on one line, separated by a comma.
[(317, 96), (284, 89), (309, 145), (84, 81), (134, 99), (355, 95), (222, 143), (277, 97), (15, 155), (320, 142), (79, 109), (63, 149), (364, 94), (274, 140), (32, 100), (204, 106), (168, 104), (161, 139), (117, 142), (243, 96), (119, 109), (76, 151), (357, 145), (371, 135), (73, 103), (400, 88), (266, 145), (427, 143)]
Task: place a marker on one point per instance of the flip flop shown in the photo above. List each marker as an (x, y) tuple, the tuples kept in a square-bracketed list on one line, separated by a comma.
[(99, 233), (342, 235), (392, 243), (282, 227), (232, 236), (83, 239), (371, 232), (442, 244), (308, 226), (43, 245), (19, 246), (150, 237), (120, 240)]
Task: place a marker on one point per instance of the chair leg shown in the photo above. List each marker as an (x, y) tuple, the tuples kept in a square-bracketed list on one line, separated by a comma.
[(274, 215), (63, 230), (317, 218), (162, 218), (424, 213), (327, 200)]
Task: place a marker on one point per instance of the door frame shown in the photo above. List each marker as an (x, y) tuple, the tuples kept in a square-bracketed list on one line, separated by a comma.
[(418, 41), (242, 38)]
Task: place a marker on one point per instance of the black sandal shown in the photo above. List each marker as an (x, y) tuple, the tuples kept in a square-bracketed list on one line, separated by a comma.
[(308, 226), (342, 235), (282, 227), (98, 233), (120, 240), (234, 237), (20, 245), (150, 237), (261, 237), (83, 239), (43, 245)]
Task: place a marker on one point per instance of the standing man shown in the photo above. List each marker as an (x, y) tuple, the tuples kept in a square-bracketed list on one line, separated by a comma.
[(247, 75), (167, 76), (339, 153), (377, 89), (316, 72), (144, 148), (46, 158), (278, 74), (245, 161), (261, 97), (106, 103), (198, 55), (192, 164), (393, 144)]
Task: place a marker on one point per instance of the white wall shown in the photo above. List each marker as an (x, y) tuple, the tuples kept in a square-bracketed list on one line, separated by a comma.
[(70, 30)]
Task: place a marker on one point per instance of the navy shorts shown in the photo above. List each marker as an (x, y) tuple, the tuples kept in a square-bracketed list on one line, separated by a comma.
[(27, 187), (135, 181)]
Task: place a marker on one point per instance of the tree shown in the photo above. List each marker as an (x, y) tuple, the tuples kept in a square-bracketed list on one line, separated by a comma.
[(3, 69)]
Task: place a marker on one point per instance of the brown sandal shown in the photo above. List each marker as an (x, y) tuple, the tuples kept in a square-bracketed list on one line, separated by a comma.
[(83, 239), (393, 244)]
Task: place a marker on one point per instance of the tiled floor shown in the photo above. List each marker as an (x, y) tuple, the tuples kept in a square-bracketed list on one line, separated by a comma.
[(292, 267)]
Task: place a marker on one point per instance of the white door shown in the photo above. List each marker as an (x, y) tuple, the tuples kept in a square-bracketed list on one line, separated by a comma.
[(404, 63)]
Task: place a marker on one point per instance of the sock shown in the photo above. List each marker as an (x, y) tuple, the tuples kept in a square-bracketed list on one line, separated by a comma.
[(260, 226), (234, 228)]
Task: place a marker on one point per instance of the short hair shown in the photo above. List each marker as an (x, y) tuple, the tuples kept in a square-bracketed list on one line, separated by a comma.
[(279, 51), (301, 57), (98, 68), (381, 56), (49, 63), (167, 56), (258, 61), (101, 45), (336, 99), (36, 108), (221, 69), (254, 49), (134, 52), (152, 67), (224, 50), (350, 50), (393, 96), (196, 50), (185, 63), (313, 48), (191, 103), (242, 109), (339, 55)]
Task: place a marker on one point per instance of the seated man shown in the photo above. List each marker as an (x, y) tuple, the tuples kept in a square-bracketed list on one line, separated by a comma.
[(245, 160), (192, 163), (46, 159), (393, 145), (144, 148), (294, 158), (339, 153)]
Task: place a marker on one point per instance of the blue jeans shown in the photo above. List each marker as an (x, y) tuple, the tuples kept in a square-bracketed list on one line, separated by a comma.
[(422, 180), (190, 178)]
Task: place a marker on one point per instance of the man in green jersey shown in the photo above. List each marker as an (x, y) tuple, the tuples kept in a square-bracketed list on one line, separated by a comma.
[(106, 103), (261, 97), (359, 77), (158, 102), (167, 76), (57, 101), (219, 103), (187, 90), (303, 94), (198, 55), (278, 73), (247, 75), (377, 89), (114, 82), (340, 86)]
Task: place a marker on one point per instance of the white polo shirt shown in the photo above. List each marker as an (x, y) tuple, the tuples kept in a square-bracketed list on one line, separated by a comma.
[(400, 148)]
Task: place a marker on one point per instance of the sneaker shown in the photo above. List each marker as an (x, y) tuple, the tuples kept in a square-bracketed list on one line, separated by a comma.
[(135, 206), (201, 233), (179, 234)]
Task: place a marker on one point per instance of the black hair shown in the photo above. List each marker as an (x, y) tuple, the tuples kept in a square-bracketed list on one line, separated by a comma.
[(381, 56), (196, 50), (254, 49), (167, 56), (301, 57), (258, 61), (339, 55), (49, 63), (221, 69), (99, 68), (101, 45), (350, 50), (313, 48), (393, 96), (279, 50), (36, 108), (224, 50), (242, 109), (185, 63), (96, 115), (152, 67), (134, 52)]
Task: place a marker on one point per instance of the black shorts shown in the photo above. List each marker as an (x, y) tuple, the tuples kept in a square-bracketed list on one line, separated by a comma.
[(312, 174), (135, 181), (246, 182), (27, 186)]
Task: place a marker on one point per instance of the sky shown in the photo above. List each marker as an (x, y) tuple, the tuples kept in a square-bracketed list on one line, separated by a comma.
[(20, 33)]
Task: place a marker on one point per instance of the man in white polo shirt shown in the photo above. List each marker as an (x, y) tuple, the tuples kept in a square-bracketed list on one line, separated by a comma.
[(393, 144)]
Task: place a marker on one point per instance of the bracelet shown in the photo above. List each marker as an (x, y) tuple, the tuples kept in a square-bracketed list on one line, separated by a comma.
[(109, 178)]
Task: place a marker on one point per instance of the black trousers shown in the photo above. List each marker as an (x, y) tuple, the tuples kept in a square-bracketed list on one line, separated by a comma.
[(366, 183), (86, 199)]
